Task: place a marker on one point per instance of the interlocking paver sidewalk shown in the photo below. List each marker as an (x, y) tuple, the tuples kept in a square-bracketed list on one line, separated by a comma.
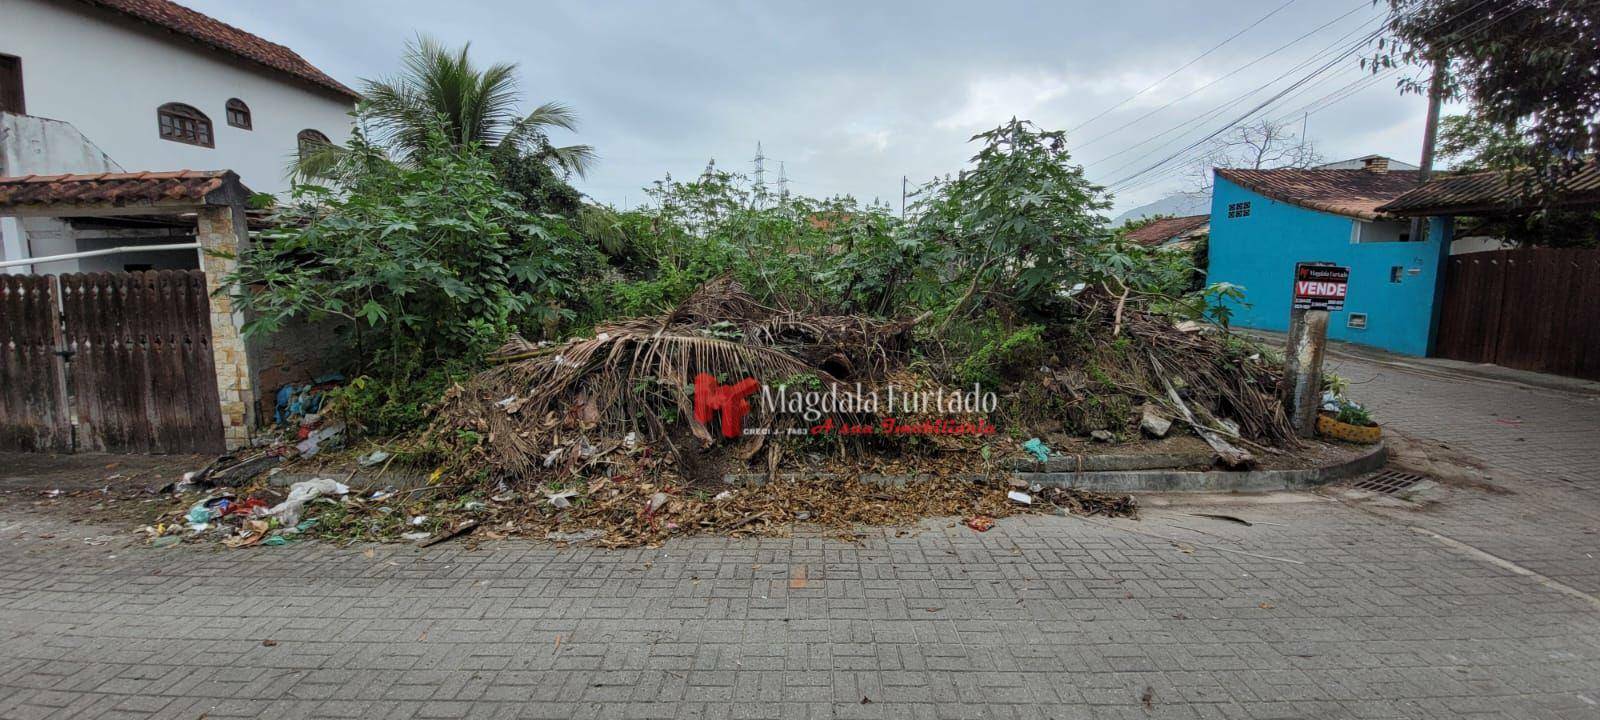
[(1323, 610)]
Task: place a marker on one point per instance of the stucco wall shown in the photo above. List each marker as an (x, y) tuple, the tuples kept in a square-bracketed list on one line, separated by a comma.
[(1259, 252), (106, 76)]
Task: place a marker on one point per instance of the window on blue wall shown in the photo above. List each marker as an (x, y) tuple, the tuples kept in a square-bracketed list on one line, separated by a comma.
[(1239, 209)]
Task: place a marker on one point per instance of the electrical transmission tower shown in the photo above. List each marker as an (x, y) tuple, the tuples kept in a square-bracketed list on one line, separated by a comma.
[(783, 184), (759, 192)]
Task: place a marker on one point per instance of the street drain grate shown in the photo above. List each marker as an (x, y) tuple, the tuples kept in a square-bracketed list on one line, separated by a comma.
[(1388, 482)]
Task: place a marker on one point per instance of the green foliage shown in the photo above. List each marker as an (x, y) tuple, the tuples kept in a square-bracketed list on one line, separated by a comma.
[(833, 251), (1013, 229), (1353, 414), (1004, 354), (427, 262), (478, 107), (1471, 143), (1527, 68)]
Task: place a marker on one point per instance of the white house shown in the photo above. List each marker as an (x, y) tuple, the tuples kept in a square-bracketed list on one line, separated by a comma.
[(91, 86)]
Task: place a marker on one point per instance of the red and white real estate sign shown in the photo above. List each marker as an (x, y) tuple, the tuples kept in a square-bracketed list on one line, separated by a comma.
[(1318, 286)]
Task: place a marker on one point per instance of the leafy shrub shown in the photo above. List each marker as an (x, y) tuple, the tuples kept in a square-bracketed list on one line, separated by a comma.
[(432, 260), (1006, 354)]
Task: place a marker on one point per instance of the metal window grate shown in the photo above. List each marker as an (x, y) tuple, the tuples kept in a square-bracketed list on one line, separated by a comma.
[(1388, 482)]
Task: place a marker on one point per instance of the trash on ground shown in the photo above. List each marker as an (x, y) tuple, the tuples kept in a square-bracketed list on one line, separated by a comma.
[(301, 493), (1040, 451)]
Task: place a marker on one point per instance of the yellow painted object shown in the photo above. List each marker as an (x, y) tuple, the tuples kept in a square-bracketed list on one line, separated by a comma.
[(1363, 434)]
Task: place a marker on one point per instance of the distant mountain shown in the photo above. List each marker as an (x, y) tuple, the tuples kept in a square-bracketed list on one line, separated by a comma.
[(1176, 204)]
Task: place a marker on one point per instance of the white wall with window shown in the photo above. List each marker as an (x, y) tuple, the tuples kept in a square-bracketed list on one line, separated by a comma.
[(1364, 231), (110, 77)]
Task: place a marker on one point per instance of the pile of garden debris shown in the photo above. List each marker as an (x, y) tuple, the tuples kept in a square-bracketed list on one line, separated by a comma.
[(598, 439)]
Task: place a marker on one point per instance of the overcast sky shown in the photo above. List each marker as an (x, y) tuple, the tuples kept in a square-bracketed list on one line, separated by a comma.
[(850, 96)]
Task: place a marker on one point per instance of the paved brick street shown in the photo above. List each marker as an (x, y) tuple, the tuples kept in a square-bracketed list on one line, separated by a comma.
[(1328, 607)]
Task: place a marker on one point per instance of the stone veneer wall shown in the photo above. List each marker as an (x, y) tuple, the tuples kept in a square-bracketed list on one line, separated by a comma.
[(222, 229)]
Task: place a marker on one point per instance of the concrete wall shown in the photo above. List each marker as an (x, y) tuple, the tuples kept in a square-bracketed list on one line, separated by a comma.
[(1259, 252), (107, 75), (40, 146)]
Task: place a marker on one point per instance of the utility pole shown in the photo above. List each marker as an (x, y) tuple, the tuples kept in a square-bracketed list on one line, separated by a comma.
[(1430, 135), (903, 181)]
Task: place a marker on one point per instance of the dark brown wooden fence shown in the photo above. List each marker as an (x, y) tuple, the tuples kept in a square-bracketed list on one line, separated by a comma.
[(1532, 309), (138, 363), (33, 391)]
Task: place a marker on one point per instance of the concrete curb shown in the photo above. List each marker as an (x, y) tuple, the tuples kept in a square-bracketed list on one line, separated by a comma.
[(1164, 481), (1214, 480)]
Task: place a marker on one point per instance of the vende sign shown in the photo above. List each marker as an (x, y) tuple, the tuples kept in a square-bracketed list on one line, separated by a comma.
[(1319, 286)]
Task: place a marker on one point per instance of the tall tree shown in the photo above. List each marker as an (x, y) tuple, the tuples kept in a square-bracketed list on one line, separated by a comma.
[(477, 105), (1531, 66), (1260, 145)]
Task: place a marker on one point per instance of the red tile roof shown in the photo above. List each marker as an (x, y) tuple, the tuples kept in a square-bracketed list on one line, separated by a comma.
[(115, 188), (1160, 231), (1353, 193), (1490, 192), (219, 35)]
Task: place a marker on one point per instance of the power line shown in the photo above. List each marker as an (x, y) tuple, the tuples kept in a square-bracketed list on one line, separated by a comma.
[(1457, 36), (1183, 67), (1219, 109), (1231, 73)]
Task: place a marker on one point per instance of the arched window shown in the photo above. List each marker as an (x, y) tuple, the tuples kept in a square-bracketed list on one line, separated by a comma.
[(309, 140), (238, 114), (181, 123)]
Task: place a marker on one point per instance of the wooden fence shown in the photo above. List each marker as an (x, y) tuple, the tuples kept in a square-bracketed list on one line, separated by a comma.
[(1531, 309), (135, 352)]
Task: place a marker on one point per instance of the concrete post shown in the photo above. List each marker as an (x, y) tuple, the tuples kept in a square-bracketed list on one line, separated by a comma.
[(221, 228), (1308, 337)]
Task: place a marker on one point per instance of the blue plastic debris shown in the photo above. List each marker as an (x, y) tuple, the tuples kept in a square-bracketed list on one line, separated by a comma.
[(1040, 451)]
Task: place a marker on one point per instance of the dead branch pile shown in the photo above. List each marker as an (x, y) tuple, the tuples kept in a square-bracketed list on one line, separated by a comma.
[(561, 405)]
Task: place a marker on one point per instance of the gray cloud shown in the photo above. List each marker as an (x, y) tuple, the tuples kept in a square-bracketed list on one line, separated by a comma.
[(851, 96)]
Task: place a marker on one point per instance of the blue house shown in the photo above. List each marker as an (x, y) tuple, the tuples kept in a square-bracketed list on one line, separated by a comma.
[(1265, 221)]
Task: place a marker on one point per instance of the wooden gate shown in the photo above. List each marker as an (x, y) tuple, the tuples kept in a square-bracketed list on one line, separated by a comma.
[(33, 389), (1533, 309), (136, 358)]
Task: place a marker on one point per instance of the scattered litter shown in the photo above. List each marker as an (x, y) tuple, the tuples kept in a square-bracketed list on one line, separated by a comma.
[(574, 537), (416, 536), (1229, 518), (166, 541), (301, 493), (418, 520), (562, 499), (372, 458), (459, 530), (1040, 451), (980, 523), (1020, 497), (724, 495), (314, 441)]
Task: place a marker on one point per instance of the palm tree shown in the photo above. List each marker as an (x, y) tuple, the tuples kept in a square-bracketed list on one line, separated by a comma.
[(441, 85)]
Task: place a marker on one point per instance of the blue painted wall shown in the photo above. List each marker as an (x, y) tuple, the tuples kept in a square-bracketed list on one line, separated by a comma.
[(1259, 252)]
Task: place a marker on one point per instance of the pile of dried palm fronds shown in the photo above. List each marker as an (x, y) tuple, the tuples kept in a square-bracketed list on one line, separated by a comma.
[(561, 405)]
